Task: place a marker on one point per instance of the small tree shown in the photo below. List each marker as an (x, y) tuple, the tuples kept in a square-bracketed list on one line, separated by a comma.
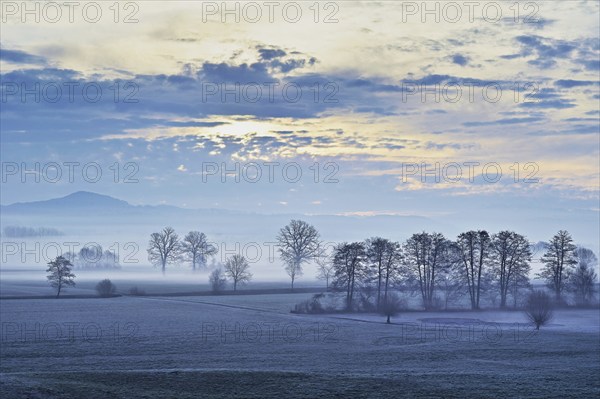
[(217, 280), (349, 264), (581, 281), (197, 249), (238, 269), (558, 260), (539, 308), (452, 284), (510, 257), (325, 267), (60, 274), (298, 243), (473, 249), (383, 258), (164, 248), (105, 288), (391, 306)]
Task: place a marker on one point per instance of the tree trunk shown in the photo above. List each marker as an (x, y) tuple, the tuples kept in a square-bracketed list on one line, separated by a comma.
[(387, 279), (379, 287), (388, 320), (234, 285), (502, 300)]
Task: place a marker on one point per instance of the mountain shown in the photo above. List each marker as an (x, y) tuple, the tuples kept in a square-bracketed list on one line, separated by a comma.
[(80, 200), (84, 212)]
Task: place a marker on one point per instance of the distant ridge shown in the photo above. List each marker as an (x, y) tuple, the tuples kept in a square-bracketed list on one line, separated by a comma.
[(95, 212), (78, 200)]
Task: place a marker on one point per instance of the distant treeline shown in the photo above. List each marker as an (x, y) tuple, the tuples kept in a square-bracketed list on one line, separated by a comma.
[(20, 231), (93, 257)]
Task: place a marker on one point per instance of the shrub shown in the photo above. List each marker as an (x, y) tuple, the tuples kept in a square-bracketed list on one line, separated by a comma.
[(391, 306), (310, 306), (105, 288), (539, 308), (217, 280)]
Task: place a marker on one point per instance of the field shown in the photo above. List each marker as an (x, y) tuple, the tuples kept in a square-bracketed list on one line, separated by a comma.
[(252, 346)]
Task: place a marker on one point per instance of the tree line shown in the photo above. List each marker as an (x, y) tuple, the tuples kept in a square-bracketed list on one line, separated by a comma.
[(429, 264), (474, 263), (93, 257)]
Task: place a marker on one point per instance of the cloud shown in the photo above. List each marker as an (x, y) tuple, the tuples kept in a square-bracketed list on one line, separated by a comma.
[(242, 74), (546, 52), (20, 57), (269, 54), (460, 59), (506, 121), (570, 83), (547, 98)]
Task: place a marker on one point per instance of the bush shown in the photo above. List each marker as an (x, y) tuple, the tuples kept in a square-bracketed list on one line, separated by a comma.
[(367, 299), (391, 306), (135, 291), (310, 306), (539, 308), (217, 280), (105, 288)]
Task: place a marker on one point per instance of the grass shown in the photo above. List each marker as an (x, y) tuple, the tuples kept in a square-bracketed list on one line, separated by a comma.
[(171, 353)]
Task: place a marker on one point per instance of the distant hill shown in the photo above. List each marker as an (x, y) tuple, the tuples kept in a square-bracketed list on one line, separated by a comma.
[(93, 210), (79, 200)]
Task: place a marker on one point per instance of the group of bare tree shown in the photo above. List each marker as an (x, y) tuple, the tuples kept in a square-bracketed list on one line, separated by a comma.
[(474, 264), (93, 257), (439, 269), (165, 247), (236, 268), (569, 268)]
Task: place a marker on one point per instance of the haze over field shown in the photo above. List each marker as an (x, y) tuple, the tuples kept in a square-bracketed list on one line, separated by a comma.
[(325, 199)]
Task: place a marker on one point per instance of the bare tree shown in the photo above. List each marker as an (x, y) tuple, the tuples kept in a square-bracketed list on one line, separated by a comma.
[(473, 247), (197, 249), (517, 284), (384, 257), (349, 263), (217, 280), (164, 248), (391, 306), (325, 266), (238, 269), (539, 308), (558, 260), (60, 274), (106, 288), (392, 264), (452, 283), (510, 257), (581, 281), (425, 256), (298, 243)]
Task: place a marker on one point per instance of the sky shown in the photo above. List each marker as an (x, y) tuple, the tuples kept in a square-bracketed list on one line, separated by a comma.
[(484, 112)]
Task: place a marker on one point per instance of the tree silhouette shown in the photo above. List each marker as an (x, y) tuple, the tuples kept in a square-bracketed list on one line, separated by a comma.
[(60, 274)]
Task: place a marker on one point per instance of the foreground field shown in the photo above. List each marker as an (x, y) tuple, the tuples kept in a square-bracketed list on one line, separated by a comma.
[(252, 346)]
